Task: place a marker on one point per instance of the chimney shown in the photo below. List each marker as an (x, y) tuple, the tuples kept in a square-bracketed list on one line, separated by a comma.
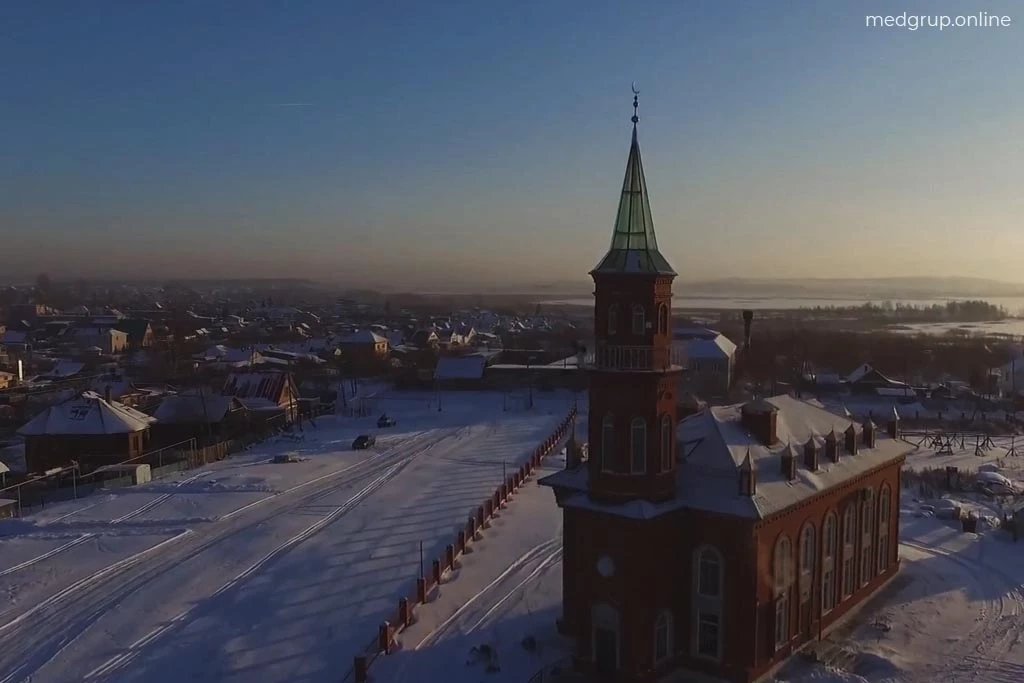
[(748, 477), (748, 317), (894, 424), (106, 393), (789, 458), (760, 418), (832, 446), (811, 454), (870, 434), (851, 439)]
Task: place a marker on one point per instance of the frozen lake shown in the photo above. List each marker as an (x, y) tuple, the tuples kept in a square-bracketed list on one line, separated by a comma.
[(1014, 305)]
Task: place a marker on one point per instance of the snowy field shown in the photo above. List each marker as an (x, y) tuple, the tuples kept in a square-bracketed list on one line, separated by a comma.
[(249, 570)]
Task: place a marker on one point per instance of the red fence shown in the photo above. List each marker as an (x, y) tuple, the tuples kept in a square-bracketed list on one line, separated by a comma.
[(480, 519)]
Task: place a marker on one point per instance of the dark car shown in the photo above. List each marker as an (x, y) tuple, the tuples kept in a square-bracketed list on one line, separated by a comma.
[(363, 441), (386, 420)]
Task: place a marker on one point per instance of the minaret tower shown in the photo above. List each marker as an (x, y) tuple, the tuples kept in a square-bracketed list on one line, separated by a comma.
[(633, 381)]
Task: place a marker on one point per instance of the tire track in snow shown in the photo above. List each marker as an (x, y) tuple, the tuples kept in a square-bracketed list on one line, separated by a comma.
[(992, 632), (36, 644), (542, 549), (136, 648), (35, 560), (158, 500)]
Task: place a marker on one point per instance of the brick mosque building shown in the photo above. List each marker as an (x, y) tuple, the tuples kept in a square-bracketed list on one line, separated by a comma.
[(719, 544)]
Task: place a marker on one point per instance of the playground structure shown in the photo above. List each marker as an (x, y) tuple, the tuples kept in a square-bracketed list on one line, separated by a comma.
[(948, 442)]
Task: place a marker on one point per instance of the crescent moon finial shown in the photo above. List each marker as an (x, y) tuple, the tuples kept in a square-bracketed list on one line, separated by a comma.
[(636, 90)]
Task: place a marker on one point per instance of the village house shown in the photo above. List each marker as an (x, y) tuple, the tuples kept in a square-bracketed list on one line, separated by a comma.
[(719, 545), (267, 395), (364, 349), (139, 332), (89, 429), (198, 414), (108, 340), (710, 359)]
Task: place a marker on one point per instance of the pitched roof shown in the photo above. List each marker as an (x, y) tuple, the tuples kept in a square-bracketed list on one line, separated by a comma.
[(87, 414), (267, 385), (634, 248), (191, 408), (363, 337)]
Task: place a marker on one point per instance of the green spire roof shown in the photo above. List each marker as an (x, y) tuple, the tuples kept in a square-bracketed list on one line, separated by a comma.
[(634, 247)]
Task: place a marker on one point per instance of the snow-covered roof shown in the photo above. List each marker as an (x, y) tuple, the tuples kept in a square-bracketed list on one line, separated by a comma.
[(714, 443), (717, 347), (189, 408), (268, 385), (87, 414), (860, 373), (460, 367), (64, 368), (363, 337)]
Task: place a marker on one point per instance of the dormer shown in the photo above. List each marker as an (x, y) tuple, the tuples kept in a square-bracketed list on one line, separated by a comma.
[(747, 477), (870, 432), (850, 438), (832, 446), (811, 454), (893, 427), (790, 457)]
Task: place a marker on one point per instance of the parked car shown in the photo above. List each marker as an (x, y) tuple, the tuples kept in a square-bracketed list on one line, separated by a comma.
[(386, 420), (363, 441)]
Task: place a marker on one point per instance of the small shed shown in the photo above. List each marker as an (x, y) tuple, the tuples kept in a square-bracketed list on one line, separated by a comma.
[(8, 508)]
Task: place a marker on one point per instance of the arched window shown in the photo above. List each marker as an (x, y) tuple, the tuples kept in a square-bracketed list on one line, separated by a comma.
[(782, 564), (663, 637), (605, 643), (638, 446), (867, 526), (884, 505), (613, 318), (639, 319), (884, 511), (807, 549), (607, 443), (782, 574), (666, 443), (849, 561), (663, 319), (708, 588), (828, 564), (709, 573), (807, 561)]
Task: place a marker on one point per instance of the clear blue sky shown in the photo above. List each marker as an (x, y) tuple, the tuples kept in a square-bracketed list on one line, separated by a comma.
[(478, 141)]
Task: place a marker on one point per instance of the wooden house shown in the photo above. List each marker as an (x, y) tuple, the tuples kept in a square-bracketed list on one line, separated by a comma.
[(89, 429)]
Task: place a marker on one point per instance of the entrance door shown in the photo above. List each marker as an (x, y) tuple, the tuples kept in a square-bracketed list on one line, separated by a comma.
[(606, 645)]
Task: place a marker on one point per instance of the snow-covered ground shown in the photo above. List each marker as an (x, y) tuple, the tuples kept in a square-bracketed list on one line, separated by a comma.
[(503, 600), (955, 612), (249, 570)]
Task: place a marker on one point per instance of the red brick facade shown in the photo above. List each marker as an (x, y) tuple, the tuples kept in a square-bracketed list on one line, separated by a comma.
[(653, 569)]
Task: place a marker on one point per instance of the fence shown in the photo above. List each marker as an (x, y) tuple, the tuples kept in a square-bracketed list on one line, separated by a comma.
[(554, 671), (479, 519), (164, 461)]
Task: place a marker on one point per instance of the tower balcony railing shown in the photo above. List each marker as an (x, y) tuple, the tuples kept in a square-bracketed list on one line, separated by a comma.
[(626, 358)]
